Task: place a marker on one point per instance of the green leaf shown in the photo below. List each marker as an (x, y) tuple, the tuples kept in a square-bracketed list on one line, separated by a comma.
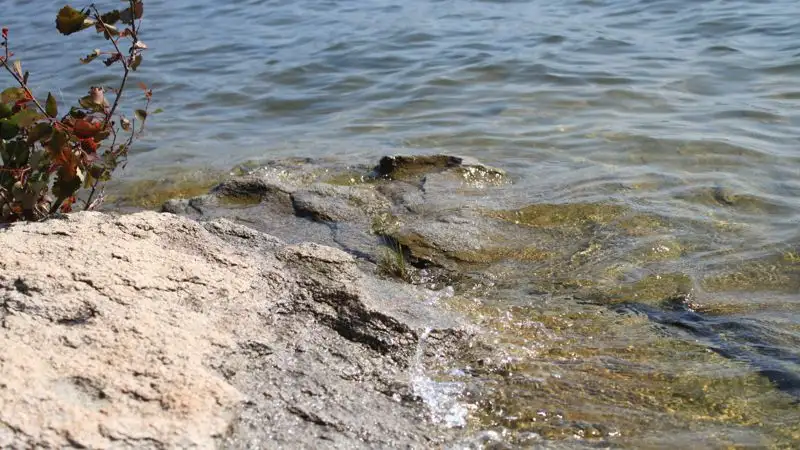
[(39, 131), (158, 111), (5, 111), (8, 130), (111, 17), (69, 20), (140, 114), (12, 95), (25, 118), (136, 61), (18, 152), (51, 108), (37, 158), (57, 140)]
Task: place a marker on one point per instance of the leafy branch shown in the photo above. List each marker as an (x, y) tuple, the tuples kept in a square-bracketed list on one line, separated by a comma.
[(44, 160)]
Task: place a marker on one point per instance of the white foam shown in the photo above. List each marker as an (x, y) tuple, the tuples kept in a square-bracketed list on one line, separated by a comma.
[(440, 397)]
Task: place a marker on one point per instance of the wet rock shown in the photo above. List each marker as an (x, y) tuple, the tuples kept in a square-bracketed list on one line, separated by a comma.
[(155, 331), (571, 215), (254, 190), (413, 167), (328, 203), (451, 240), (415, 201)]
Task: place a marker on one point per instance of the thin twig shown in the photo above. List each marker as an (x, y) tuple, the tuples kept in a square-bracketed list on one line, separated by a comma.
[(122, 60), (121, 88), (22, 83)]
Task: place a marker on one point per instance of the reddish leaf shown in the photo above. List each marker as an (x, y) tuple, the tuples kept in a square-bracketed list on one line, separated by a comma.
[(128, 16), (67, 205), (88, 145), (86, 130)]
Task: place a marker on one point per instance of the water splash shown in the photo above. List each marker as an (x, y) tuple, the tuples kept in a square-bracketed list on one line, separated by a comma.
[(440, 397)]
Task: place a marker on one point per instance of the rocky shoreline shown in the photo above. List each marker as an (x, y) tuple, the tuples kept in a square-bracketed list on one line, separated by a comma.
[(156, 331), (420, 302)]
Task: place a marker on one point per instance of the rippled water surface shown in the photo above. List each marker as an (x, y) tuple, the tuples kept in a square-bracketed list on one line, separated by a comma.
[(684, 110)]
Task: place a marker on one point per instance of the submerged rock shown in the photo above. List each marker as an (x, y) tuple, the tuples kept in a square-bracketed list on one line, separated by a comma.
[(155, 331), (588, 303), (412, 167)]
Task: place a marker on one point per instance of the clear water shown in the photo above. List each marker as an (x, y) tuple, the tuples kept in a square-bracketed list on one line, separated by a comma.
[(684, 109), (442, 398)]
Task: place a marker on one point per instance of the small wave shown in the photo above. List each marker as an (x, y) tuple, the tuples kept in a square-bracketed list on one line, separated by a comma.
[(441, 398)]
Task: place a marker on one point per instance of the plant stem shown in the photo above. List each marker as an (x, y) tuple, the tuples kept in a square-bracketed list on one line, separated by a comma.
[(22, 84), (122, 60)]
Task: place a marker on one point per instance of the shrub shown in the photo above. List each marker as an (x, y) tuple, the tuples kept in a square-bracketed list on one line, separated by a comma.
[(46, 158)]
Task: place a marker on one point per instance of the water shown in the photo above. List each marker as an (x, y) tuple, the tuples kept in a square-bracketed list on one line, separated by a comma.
[(684, 110), (440, 397)]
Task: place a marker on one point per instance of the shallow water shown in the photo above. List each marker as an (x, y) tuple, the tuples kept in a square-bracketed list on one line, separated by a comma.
[(685, 112)]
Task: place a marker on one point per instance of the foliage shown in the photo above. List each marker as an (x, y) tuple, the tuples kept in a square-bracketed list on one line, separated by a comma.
[(45, 159), (393, 261)]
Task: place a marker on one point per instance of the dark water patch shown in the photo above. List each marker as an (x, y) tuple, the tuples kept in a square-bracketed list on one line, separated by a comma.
[(717, 50), (738, 340), (554, 39), (761, 116)]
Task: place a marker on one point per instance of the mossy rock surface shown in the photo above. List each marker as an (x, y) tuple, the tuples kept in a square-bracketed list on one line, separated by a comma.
[(561, 215), (152, 193), (415, 167)]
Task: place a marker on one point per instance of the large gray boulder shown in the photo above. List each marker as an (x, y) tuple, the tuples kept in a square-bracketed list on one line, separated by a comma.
[(155, 331)]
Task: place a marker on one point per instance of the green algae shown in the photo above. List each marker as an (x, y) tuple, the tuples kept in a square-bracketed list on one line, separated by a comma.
[(152, 193), (595, 374), (651, 289), (614, 403), (495, 254), (661, 250), (561, 215), (781, 274), (723, 197), (421, 248), (348, 178), (641, 224), (239, 200), (791, 256)]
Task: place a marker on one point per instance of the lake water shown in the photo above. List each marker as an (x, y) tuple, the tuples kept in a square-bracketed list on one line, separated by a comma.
[(684, 109)]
